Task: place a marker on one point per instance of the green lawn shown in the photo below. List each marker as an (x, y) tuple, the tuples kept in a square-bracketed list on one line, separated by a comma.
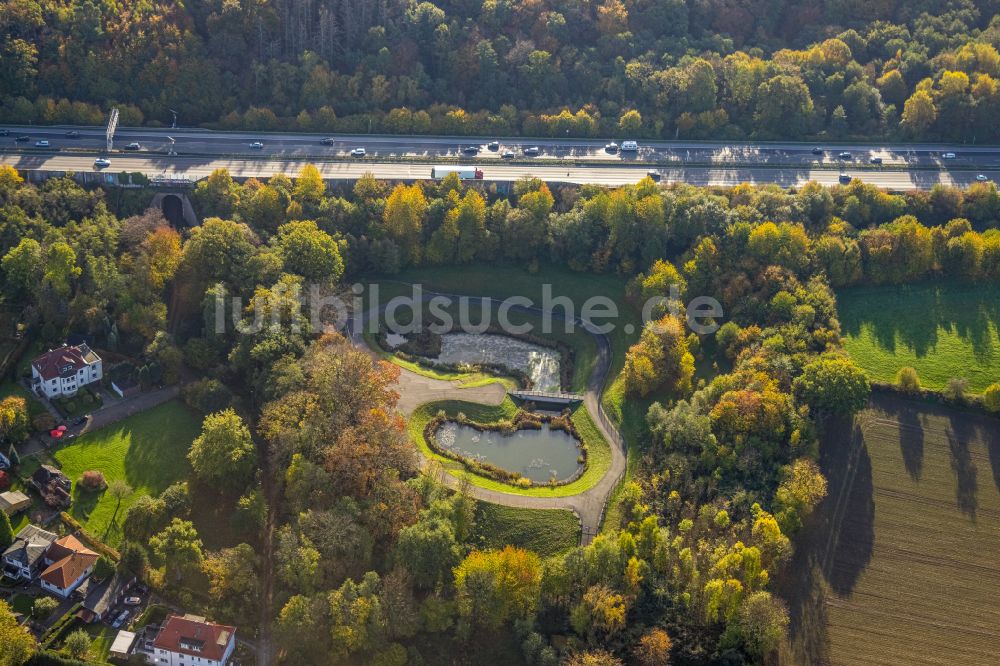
[(102, 637), (598, 450), (148, 450), (545, 531), (19, 521), (943, 330)]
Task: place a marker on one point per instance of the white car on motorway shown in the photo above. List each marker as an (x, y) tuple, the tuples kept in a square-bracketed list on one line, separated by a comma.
[(257, 145), (102, 162), (359, 152), (42, 144), (981, 177), (948, 156)]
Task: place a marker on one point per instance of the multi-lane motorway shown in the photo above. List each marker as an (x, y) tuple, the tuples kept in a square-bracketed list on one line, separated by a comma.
[(198, 152)]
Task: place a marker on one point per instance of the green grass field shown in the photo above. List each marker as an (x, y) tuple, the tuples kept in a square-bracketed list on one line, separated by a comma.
[(898, 565), (148, 450), (598, 450), (944, 331), (545, 531)]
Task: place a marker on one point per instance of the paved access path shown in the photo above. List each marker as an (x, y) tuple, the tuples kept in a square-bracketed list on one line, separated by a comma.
[(588, 505)]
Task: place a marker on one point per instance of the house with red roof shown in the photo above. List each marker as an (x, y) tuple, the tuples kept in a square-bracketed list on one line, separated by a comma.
[(67, 564), (188, 640), (64, 370)]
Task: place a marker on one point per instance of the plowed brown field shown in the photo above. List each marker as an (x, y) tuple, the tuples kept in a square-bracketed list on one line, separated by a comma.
[(901, 563)]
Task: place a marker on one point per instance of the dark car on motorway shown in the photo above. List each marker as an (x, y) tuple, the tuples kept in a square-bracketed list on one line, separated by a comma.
[(328, 141), (471, 150), (4, 132), (72, 134), (508, 155), (844, 155), (817, 151), (493, 145), (875, 160), (133, 146), (845, 179), (24, 137)]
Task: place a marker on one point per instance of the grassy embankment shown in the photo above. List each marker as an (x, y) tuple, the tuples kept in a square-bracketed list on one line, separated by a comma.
[(545, 531)]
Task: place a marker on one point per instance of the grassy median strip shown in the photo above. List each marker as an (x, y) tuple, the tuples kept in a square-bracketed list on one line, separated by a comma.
[(598, 450)]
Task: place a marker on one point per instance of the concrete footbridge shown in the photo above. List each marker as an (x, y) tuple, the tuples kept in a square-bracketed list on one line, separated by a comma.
[(547, 397)]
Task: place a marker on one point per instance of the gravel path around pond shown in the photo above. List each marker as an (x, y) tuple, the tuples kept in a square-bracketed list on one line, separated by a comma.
[(589, 506)]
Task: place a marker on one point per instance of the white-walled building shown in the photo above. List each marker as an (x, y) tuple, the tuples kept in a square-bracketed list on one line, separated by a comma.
[(63, 371), (68, 563), (190, 640)]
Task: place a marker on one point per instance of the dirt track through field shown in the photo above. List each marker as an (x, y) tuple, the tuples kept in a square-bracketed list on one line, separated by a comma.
[(899, 564)]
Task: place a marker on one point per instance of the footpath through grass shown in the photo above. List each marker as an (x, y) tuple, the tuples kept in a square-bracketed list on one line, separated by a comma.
[(598, 450), (148, 450), (545, 531), (942, 330)]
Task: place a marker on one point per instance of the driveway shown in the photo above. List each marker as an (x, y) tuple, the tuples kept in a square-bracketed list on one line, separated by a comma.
[(110, 413), (588, 505)]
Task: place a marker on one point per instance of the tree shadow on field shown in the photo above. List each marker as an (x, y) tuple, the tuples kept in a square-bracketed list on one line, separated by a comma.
[(991, 439), (962, 430), (911, 431), (834, 546), (912, 316)]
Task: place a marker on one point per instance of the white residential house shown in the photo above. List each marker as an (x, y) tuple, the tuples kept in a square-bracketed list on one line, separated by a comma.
[(67, 564), (25, 557), (63, 371), (189, 640)]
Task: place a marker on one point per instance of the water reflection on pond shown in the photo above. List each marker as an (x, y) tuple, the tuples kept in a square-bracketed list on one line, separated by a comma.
[(539, 363), (538, 455)]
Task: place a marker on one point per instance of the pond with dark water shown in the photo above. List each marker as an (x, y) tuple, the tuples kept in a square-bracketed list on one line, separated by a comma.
[(539, 455)]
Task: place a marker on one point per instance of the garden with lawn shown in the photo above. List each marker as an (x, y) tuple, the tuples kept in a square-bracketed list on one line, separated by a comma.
[(943, 330), (147, 450)]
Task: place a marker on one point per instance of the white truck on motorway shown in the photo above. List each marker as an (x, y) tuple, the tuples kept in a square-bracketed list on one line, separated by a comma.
[(629, 145), (464, 172)]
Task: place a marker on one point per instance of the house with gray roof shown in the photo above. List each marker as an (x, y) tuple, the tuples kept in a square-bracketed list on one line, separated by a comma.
[(23, 559)]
